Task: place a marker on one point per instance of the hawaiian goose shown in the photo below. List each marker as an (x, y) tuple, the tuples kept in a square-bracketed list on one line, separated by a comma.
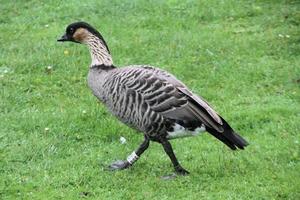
[(148, 99)]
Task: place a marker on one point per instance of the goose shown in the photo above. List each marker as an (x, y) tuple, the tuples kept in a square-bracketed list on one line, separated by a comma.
[(149, 100)]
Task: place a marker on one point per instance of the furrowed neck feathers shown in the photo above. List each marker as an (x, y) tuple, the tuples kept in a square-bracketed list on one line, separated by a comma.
[(99, 52)]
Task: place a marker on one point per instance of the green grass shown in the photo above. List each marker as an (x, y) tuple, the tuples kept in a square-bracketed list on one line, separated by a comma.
[(56, 140)]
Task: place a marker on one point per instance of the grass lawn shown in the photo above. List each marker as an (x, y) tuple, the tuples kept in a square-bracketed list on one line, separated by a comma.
[(56, 140)]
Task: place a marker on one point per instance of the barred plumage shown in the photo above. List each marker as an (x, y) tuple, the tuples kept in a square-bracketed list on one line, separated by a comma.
[(148, 99)]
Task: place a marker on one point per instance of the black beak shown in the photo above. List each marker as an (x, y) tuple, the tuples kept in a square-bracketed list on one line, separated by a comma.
[(64, 38)]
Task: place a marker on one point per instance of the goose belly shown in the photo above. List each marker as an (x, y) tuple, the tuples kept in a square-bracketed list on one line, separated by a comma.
[(180, 131)]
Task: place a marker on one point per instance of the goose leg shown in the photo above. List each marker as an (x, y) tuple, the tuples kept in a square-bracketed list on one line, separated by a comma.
[(168, 149), (132, 158)]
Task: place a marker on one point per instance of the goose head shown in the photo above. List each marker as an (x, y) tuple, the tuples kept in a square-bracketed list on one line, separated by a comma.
[(84, 33), (80, 32)]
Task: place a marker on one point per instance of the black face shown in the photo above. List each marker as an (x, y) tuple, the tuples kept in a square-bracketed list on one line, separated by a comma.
[(70, 30)]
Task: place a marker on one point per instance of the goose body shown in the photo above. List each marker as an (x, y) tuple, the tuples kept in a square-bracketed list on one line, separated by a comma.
[(149, 99)]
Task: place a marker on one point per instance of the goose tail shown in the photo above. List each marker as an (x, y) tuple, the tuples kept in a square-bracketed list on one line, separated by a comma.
[(229, 137)]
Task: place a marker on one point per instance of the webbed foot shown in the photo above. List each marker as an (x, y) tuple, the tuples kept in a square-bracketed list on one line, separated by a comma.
[(181, 171), (119, 165)]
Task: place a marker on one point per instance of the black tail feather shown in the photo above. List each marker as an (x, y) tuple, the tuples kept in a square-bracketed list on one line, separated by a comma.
[(229, 137)]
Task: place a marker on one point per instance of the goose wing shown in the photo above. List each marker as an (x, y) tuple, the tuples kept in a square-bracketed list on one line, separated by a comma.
[(172, 99)]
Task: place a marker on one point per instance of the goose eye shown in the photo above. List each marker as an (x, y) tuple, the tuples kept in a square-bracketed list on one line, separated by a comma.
[(71, 30)]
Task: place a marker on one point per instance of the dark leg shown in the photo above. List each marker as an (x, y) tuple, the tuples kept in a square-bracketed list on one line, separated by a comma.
[(168, 149), (133, 157)]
